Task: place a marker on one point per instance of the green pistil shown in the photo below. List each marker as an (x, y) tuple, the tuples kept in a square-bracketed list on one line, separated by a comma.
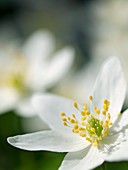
[(94, 123)]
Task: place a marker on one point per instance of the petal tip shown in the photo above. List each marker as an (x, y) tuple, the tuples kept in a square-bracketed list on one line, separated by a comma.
[(11, 140)]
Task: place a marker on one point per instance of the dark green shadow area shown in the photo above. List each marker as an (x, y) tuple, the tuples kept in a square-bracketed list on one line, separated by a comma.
[(113, 165)]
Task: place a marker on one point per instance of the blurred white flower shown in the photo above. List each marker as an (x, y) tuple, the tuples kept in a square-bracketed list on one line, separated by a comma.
[(110, 30), (91, 134), (79, 85), (36, 69)]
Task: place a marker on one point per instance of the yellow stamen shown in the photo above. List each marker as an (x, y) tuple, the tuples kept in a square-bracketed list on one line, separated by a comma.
[(95, 143), (110, 123), (93, 135), (105, 107), (62, 114), (108, 103), (75, 105), (65, 124), (76, 126), (81, 129), (118, 114), (85, 106), (83, 118), (90, 126), (93, 130), (75, 130), (93, 115), (83, 113), (64, 119), (104, 112), (99, 138), (83, 123), (101, 122), (82, 134), (89, 140), (69, 118), (72, 121), (98, 111), (95, 108), (106, 133), (91, 98), (87, 112), (73, 115), (105, 101)]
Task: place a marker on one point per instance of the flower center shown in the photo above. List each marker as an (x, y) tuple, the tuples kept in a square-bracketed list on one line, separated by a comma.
[(17, 82), (93, 127), (13, 75)]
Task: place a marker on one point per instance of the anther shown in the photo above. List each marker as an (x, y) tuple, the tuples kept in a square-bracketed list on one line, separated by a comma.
[(81, 129), (95, 108), (72, 121), (64, 119), (62, 114), (73, 115), (65, 124), (109, 116), (105, 101), (69, 118), (118, 114), (110, 123), (99, 138), (85, 106), (89, 140), (93, 116), (98, 111), (93, 130), (83, 118), (91, 98), (104, 112), (82, 134), (108, 103), (75, 105), (83, 113), (93, 135), (75, 131), (87, 112), (101, 122), (83, 123), (76, 126), (95, 143), (105, 107)]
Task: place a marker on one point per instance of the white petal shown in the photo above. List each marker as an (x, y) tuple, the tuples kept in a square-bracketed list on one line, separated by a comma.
[(42, 75), (87, 158), (49, 107), (36, 50), (121, 123), (120, 152), (59, 66), (48, 140), (8, 99), (110, 84), (35, 75), (33, 124), (25, 108), (109, 143), (39, 45)]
